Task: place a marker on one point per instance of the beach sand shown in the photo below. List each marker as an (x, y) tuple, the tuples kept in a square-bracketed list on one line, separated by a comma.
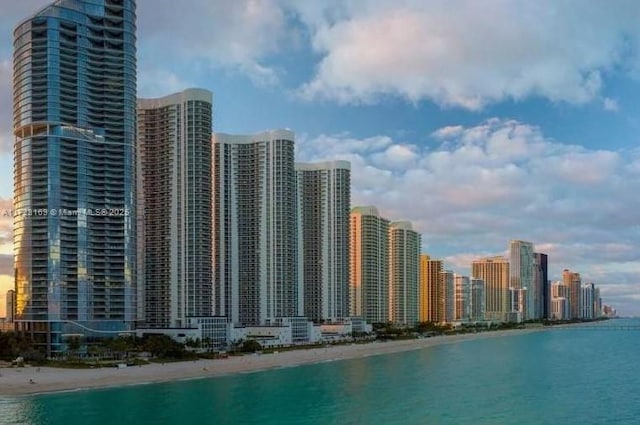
[(32, 380)]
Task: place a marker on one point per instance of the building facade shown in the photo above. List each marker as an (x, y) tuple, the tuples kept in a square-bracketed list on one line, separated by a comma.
[(404, 276), (74, 170), (10, 306), (255, 228), (589, 303), (477, 299), (542, 278), (573, 282), (462, 298), (449, 295), (559, 301), (522, 279), (432, 290), (369, 265), (174, 200), (494, 271), (324, 205)]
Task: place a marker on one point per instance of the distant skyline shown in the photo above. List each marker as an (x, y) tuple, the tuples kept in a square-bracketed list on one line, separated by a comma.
[(482, 123)]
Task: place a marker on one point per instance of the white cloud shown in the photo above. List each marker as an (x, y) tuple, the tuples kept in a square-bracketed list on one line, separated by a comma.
[(160, 82), (609, 104), (500, 180), (471, 54), (238, 34)]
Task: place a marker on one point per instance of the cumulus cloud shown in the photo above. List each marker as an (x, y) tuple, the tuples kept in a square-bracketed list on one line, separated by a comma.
[(483, 185), (469, 55), (611, 105), (238, 34), (160, 82)]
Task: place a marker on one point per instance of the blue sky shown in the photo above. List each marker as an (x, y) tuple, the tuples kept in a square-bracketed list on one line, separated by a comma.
[(479, 121)]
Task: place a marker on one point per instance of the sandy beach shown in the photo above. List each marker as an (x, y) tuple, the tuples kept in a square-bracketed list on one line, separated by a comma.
[(32, 380)]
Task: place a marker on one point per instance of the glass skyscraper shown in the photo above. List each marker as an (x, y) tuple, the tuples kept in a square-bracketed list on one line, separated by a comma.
[(74, 172)]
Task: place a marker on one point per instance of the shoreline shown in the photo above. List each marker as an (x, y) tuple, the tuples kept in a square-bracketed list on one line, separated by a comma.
[(40, 380)]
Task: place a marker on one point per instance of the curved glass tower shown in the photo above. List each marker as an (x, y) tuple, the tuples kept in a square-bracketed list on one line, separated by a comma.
[(74, 172)]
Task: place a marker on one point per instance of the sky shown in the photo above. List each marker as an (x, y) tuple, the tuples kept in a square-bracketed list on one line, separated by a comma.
[(480, 122)]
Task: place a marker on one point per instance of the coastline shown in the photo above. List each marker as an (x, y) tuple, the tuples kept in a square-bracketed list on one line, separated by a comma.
[(36, 380)]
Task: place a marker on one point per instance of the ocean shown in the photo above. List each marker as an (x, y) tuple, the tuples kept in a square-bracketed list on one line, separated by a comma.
[(559, 376)]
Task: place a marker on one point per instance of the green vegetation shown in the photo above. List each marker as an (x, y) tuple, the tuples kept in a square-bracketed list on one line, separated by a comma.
[(13, 345), (108, 352)]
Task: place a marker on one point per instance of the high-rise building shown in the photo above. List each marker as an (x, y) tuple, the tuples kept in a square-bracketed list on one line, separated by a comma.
[(559, 307), (477, 299), (588, 301), (324, 197), (255, 228), (449, 295), (74, 84), (432, 291), (524, 288), (404, 257), (462, 298), (174, 202), (494, 271), (10, 305), (573, 282), (369, 275), (542, 278)]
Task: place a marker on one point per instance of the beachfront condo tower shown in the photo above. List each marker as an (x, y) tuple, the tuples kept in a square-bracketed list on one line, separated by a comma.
[(174, 205), (542, 278), (369, 276), (573, 282), (449, 295), (462, 298), (432, 291), (255, 228), (522, 283), (494, 271), (477, 299), (404, 273), (324, 204), (74, 112)]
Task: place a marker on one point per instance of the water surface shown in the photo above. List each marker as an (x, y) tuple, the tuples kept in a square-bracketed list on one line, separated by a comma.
[(563, 376)]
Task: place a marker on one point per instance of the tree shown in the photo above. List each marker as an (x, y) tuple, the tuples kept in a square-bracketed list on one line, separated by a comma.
[(163, 346), (251, 346), (14, 344), (73, 346)]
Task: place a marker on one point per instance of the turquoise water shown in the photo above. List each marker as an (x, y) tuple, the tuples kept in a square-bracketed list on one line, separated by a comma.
[(568, 376)]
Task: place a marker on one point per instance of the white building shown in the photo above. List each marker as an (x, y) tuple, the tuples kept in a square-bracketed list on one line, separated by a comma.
[(560, 308), (462, 298), (324, 205), (283, 332), (588, 301), (255, 228), (174, 205), (404, 258), (477, 299), (449, 296)]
